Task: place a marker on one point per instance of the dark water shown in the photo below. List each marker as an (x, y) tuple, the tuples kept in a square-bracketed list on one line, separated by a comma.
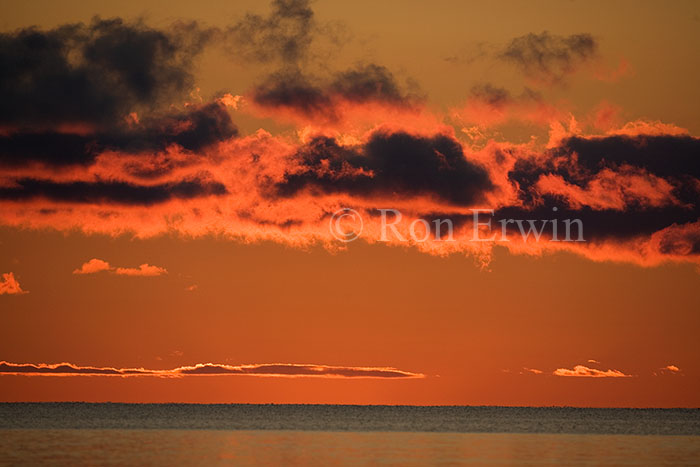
[(189, 434), (350, 418)]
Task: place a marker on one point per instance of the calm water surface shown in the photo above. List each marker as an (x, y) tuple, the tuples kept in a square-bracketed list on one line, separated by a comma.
[(189, 434)]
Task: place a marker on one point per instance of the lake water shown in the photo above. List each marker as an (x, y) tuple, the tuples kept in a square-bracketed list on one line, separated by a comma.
[(240, 434)]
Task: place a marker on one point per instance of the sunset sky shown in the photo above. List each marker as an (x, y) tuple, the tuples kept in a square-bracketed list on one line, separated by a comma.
[(169, 172)]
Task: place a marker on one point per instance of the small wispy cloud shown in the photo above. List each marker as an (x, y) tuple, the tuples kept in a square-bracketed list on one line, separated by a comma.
[(10, 286), (93, 266), (143, 270), (668, 370), (583, 371), (97, 265)]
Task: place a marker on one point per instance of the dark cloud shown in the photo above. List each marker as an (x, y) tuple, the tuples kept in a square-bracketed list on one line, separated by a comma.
[(315, 97), (497, 97), (292, 90), (367, 83), (578, 160), (665, 155), (56, 149), (494, 96), (65, 93), (676, 227), (549, 57), (109, 192), (296, 370), (285, 34), (396, 164), (192, 130), (93, 73), (600, 224)]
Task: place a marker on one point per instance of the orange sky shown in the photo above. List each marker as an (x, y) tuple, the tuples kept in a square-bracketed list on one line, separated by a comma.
[(205, 209)]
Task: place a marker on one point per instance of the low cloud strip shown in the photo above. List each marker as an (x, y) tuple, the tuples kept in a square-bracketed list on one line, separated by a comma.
[(210, 369)]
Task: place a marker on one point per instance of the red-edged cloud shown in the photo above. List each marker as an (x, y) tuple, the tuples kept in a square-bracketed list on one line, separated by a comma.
[(10, 286), (635, 204), (210, 369)]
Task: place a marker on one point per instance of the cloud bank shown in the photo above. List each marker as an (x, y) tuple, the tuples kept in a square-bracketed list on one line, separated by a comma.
[(210, 369), (127, 154)]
